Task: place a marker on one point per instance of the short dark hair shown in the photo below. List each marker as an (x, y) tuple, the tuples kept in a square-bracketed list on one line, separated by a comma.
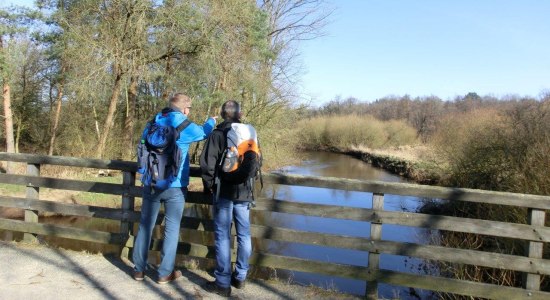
[(231, 110)]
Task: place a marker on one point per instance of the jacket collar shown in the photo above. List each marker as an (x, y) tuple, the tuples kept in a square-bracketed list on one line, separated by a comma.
[(227, 123)]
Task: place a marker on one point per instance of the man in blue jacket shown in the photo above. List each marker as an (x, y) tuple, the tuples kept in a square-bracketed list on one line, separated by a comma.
[(173, 197)]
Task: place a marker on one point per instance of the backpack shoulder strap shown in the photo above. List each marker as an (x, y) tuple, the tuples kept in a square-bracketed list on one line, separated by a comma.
[(183, 125)]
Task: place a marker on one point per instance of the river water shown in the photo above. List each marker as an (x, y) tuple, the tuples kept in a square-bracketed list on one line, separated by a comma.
[(316, 164), (343, 166)]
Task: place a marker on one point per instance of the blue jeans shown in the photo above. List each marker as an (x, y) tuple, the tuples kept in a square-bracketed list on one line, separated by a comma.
[(174, 200), (224, 212)]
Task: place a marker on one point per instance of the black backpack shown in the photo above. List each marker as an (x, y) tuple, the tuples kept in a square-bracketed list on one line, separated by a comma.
[(159, 158)]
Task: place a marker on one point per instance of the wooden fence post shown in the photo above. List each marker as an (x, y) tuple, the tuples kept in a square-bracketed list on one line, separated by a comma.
[(128, 204), (375, 235), (32, 193), (534, 249)]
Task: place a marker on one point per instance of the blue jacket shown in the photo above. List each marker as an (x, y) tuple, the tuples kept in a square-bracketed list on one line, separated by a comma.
[(192, 133)]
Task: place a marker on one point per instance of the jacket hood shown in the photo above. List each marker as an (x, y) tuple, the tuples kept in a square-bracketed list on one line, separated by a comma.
[(170, 117)]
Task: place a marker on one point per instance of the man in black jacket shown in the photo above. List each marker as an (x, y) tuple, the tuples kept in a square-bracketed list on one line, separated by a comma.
[(232, 201)]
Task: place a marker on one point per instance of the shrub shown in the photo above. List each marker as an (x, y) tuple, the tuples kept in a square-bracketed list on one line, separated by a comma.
[(504, 150), (345, 132)]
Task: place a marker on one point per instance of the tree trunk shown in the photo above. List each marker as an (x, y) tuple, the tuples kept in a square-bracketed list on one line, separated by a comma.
[(167, 70), (129, 122), (56, 117), (8, 115), (110, 115), (18, 134)]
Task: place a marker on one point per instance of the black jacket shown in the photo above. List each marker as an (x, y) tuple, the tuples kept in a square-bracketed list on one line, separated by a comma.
[(209, 161)]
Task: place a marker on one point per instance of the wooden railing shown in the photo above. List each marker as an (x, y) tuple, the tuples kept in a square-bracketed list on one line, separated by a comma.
[(197, 241)]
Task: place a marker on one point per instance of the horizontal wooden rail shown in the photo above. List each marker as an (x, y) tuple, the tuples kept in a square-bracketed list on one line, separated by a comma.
[(370, 186), (71, 185), (69, 161), (78, 162), (455, 286), (408, 189), (475, 226), (68, 208), (62, 231)]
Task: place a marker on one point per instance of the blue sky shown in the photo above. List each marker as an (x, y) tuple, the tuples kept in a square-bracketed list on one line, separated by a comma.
[(375, 48)]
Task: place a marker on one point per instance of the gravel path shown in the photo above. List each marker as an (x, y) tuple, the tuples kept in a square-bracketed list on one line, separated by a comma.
[(31, 271)]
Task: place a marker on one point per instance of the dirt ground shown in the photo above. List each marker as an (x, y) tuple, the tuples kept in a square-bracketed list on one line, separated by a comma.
[(33, 271)]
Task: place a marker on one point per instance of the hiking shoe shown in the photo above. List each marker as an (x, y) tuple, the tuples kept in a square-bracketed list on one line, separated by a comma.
[(170, 277), (236, 283), (212, 287), (139, 276)]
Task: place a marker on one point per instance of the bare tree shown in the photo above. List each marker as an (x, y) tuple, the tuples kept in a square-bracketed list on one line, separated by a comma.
[(289, 22), (11, 23), (8, 114)]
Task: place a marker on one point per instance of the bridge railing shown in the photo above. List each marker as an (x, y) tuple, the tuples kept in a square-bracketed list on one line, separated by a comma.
[(197, 232)]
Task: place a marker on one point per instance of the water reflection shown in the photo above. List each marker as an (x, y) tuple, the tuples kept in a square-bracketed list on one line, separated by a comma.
[(337, 165)]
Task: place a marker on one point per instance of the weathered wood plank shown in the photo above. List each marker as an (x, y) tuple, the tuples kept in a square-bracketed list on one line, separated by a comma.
[(374, 257), (70, 161), (32, 193), (126, 226), (67, 208), (455, 286), (519, 231), (531, 281), (80, 162), (462, 256), (72, 185), (472, 195), (398, 188), (468, 225), (62, 231), (312, 209)]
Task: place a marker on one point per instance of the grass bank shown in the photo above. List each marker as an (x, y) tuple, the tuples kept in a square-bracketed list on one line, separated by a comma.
[(413, 162)]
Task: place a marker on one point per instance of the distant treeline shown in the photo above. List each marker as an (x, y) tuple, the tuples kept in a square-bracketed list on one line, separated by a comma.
[(422, 113)]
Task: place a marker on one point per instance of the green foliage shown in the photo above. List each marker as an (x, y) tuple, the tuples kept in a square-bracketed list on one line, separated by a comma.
[(91, 51)]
